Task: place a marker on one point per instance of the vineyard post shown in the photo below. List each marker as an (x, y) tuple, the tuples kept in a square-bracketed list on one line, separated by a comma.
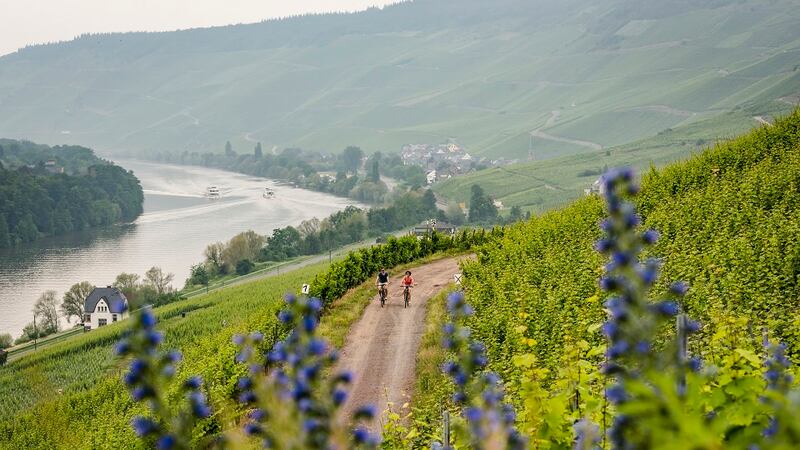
[(446, 429), (35, 332)]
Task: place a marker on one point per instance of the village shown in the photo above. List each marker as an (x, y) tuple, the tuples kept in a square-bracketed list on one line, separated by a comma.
[(445, 160)]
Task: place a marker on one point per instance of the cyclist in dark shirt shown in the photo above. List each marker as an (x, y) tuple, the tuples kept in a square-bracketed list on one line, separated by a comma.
[(382, 281)]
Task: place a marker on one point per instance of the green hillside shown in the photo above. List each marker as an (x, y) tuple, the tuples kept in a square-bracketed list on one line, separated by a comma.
[(603, 73), (539, 186), (728, 225)]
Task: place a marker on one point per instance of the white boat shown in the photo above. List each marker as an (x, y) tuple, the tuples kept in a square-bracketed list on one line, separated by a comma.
[(213, 192), (269, 193)]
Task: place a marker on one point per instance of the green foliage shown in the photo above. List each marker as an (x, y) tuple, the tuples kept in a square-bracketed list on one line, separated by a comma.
[(244, 267), (72, 303), (40, 203), (199, 275), (481, 207), (70, 395), (5, 340), (727, 219), (351, 158), (362, 264)]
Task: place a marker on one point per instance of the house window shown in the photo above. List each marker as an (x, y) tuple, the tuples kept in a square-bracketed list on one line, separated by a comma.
[(102, 322), (113, 317), (87, 318)]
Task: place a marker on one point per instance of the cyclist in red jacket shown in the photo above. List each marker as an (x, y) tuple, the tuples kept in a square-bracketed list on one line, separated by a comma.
[(407, 283)]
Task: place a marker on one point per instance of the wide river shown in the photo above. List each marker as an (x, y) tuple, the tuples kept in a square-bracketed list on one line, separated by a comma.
[(177, 224)]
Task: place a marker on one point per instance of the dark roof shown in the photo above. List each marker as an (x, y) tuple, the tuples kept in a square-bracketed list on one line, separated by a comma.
[(116, 300)]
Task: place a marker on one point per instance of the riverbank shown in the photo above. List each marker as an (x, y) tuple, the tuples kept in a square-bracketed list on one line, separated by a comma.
[(177, 224)]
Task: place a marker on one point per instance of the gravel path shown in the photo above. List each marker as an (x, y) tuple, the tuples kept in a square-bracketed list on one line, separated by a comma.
[(381, 348)]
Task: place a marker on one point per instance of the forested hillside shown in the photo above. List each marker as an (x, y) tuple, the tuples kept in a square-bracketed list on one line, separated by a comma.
[(48, 191), (728, 220), (553, 76)]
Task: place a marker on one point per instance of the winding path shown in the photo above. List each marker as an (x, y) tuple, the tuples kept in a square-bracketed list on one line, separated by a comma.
[(381, 349), (554, 115)]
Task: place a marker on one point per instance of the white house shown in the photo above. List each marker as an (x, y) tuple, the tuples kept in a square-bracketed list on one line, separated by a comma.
[(431, 177), (104, 306)]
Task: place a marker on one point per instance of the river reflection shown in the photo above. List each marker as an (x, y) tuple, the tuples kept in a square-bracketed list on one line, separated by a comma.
[(176, 226)]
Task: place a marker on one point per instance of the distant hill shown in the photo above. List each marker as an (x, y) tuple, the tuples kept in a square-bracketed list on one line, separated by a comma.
[(581, 75), (538, 186)]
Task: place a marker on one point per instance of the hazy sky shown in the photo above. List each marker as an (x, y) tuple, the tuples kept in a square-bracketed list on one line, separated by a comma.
[(25, 22)]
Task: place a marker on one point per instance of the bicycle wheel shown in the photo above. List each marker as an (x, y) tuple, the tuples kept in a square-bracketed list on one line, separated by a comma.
[(406, 296), (383, 297)]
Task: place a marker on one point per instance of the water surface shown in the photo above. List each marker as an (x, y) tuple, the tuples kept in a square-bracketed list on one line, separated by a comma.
[(177, 224)]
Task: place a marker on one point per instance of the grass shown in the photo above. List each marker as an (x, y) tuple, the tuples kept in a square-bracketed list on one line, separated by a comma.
[(342, 314), (432, 384)]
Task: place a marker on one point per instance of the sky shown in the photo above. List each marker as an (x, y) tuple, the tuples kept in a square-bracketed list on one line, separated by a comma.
[(24, 22)]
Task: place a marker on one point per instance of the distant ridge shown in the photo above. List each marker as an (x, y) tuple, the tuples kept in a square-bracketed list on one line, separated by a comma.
[(421, 71)]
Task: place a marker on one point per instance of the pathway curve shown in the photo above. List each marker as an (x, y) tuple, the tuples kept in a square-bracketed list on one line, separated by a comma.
[(381, 349)]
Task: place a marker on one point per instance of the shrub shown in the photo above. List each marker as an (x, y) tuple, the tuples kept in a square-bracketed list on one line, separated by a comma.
[(244, 267)]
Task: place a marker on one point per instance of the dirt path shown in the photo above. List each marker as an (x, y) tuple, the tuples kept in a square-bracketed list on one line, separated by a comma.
[(381, 348), (554, 115)]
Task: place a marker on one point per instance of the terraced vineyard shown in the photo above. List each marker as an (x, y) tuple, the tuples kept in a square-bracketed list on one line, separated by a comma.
[(729, 227)]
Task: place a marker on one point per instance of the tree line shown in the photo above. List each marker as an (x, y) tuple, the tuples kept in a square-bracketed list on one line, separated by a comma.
[(333, 174), (38, 200)]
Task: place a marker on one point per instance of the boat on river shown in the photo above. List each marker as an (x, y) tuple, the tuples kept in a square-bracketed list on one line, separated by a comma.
[(213, 192), (268, 193)]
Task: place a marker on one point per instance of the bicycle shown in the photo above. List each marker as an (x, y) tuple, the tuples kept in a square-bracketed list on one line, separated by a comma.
[(406, 296), (382, 292)]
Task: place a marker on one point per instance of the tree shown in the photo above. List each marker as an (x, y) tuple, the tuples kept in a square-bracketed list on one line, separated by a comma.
[(515, 215), (46, 312), (158, 280), (481, 207), (128, 284), (72, 304), (199, 275), (26, 229), (245, 245), (5, 341), (309, 227), (258, 152), (229, 149), (5, 236), (213, 254), (373, 168), (351, 157), (429, 202), (455, 214), (284, 243)]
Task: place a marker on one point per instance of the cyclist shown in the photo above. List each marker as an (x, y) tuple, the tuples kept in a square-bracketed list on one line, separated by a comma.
[(407, 283), (382, 281)]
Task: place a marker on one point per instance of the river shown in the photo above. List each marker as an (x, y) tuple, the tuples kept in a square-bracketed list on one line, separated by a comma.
[(177, 224)]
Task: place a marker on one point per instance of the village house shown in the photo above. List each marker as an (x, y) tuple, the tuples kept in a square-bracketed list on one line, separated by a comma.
[(432, 225), (104, 306)]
